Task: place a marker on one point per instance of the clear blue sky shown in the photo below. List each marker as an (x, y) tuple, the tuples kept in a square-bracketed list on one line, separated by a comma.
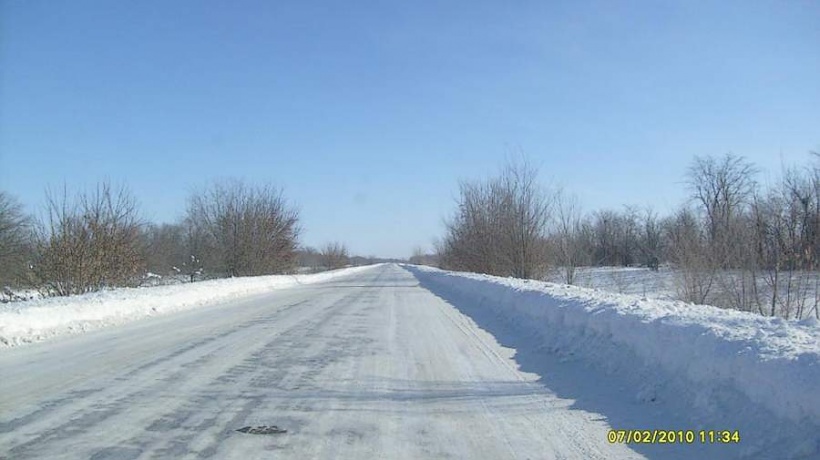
[(368, 113)]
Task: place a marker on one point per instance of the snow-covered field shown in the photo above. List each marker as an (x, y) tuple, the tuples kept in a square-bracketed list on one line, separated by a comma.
[(722, 369), (798, 293), (624, 280), (40, 319)]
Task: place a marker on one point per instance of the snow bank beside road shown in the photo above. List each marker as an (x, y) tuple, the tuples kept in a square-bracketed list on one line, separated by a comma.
[(36, 320), (718, 360)]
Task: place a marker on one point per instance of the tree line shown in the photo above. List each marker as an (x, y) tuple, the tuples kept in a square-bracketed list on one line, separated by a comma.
[(734, 243), (94, 239)]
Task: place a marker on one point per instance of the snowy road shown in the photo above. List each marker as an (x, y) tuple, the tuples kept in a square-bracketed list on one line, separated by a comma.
[(370, 365)]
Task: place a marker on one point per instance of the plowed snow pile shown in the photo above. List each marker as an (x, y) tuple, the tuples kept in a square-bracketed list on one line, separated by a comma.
[(36, 320), (722, 369)]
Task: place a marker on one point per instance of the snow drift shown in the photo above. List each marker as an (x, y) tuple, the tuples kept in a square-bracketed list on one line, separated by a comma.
[(727, 366), (36, 320)]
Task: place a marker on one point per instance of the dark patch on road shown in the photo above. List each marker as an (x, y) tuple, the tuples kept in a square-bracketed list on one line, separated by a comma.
[(264, 429)]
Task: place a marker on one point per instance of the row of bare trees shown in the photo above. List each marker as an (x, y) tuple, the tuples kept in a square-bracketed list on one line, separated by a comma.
[(749, 247), (96, 239), (734, 244), (510, 225)]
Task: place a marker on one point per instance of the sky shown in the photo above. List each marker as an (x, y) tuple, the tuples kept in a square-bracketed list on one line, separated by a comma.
[(369, 113)]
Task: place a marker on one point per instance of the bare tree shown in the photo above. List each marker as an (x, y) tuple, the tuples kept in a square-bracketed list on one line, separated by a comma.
[(722, 188), (606, 229), (651, 240), (198, 250), (688, 251), (335, 255), (501, 225), (310, 258), (616, 237), (473, 242), (247, 230), (419, 257), (528, 213), (164, 248), (14, 233), (88, 242), (568, 235)]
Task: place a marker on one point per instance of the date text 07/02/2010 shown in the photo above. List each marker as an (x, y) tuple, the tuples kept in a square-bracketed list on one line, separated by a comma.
[(673, 436)]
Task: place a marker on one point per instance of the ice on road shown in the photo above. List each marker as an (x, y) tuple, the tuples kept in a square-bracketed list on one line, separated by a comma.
[(369, 365)]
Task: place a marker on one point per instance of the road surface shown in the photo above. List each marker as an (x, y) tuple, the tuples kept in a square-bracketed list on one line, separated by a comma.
[(370, 365)]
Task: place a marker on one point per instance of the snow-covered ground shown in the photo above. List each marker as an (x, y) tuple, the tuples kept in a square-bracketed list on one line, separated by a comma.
[(721, 369), (699, 367), (624, 280), (368, 366), (39, 319), (798, 293), (385, 363)]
